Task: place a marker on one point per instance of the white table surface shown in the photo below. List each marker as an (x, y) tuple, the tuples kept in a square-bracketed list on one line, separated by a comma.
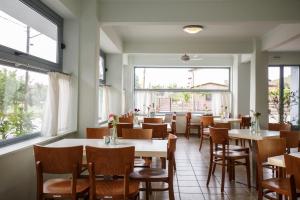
[(146, 148), (279, 160), (246, 134), (226, 120)]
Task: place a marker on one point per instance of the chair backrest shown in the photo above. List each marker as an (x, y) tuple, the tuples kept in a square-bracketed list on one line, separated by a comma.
[(158, 130), (188, 116), (219, 135), (137, 133), (171, 155), (153, 120), (245, 122), (291, 138), (59, 160), (223, 125), (279, 127), (97, 133), (174, 116), (207, 121), (292, 164), (121, 126), (270, 147), (111, 161), (128, 119)]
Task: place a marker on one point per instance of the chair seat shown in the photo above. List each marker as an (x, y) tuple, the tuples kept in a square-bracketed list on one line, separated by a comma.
[(115, 188), (63, 186), (237, 148), (231, 154), (149, 174), (278, 185), (142, 162)]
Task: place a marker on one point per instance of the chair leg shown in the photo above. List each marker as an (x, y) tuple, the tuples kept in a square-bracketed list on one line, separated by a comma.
[(174, 165), (223, 178), (260, 193), (201, 141), (147, 190), (209, 171), (171, 192), (214, 168), (248, 171)]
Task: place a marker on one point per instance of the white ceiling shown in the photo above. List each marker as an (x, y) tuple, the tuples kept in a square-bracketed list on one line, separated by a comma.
[(293, 45), (236, 31)]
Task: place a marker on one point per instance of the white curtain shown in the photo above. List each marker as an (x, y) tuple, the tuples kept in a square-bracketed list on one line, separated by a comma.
[(58, 107), (105, 104), (142, 100), (218, 101)]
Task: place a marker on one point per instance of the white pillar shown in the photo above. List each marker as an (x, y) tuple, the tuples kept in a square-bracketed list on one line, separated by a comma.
[(114, 78), (89, 40), (259, 82)]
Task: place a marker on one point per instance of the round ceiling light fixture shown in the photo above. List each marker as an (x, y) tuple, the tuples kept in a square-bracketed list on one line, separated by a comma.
[(185, 58), (192, 29)]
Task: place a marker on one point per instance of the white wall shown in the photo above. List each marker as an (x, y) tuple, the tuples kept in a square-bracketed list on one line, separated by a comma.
[(114, 78), (284, 58)]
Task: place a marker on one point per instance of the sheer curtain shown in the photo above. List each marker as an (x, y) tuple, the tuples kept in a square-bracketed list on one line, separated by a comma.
[(105, 104), (219, 100), (142, 100), (57, 117)]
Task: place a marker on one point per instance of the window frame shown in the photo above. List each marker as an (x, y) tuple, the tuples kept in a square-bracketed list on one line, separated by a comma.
[(15, 56), (281, 89), (183, 90), (20, 60)]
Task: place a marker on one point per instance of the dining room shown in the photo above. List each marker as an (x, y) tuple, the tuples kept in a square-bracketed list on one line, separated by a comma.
[(150, 100)]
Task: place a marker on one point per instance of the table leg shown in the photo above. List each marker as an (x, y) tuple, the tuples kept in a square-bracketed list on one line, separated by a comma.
[(253, 164)]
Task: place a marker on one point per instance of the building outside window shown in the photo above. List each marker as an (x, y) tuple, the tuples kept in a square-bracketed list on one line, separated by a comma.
[(201, 89)]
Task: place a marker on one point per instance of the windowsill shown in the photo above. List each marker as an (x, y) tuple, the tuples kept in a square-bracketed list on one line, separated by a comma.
[(28, 143)]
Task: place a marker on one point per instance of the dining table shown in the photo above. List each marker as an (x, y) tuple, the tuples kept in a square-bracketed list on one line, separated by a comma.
[(278, 161), (248, 134), (143, 147)]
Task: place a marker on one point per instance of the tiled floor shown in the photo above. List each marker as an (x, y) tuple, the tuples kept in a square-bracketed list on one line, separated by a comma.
[(191, 175)]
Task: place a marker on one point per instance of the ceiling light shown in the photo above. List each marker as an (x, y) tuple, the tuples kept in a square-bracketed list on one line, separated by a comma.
[(193, 29)]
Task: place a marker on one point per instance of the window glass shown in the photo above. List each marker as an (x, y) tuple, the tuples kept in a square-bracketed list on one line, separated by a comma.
[(22, 99), (202, 102), (274, 102), (291, 94), (25, 30), (182, 78)]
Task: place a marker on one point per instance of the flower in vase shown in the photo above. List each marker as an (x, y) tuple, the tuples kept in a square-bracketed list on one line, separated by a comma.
[(255, 114), (113, 120)]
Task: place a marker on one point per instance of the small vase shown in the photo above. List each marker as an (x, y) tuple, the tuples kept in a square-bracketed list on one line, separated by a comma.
[(114, 136), (256, 125)]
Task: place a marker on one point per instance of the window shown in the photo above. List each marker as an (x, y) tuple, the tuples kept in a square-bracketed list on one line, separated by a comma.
[(182, 78), (203, 90), (30, 41), (22, 98), (284, 94), (102, 62), (32, 32)]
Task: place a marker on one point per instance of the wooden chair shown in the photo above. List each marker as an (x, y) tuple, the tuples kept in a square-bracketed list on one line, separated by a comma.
[(279, 127), (121, 126), (128, 119), (153, 120), (159, 131), (63, 160), (245, 122), (137, 133), (205, 122), (225, 158), (269, 148), (291, 138), (111, 162), (149, 175), (292, 164), (97, 133), (191, 125)]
